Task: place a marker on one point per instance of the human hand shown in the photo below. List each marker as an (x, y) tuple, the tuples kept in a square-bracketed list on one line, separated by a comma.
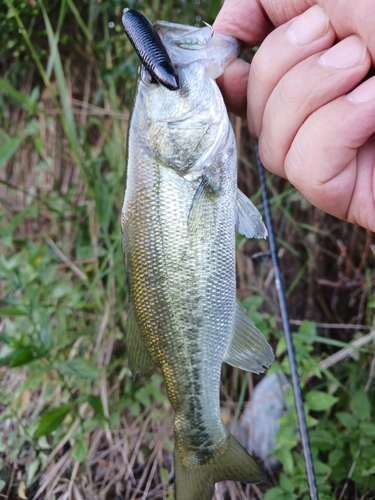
[(306, 102)]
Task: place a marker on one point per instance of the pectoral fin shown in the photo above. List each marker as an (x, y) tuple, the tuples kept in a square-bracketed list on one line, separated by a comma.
[(195, 202), (248, 349), (207, 187), (140, 361), (248, 220)]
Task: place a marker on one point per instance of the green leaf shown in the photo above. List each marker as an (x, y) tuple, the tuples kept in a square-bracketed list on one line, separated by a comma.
[(168, 445), (6, 360), (51, 420), (12, 311), (26, 102), (164, 475), (61, 290), (21, 356), (289, 495), (321, 469), (252, 303), (360, 405), (79, 368), (347, 420), (135, 409), (286, 483), (79, 451), (44, 330), (5, 339), (286, 458), (96, 403), (311, 421), (367, 428), (322, 439), (274, 494), (143, 395), (281, 347), (32, 469), (43, 443), (8, 149), (369, 472), (335, 457), (308, 328), (320, 401)]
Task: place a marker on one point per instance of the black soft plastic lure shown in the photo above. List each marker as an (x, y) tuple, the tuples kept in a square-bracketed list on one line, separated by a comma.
[(150, 48)]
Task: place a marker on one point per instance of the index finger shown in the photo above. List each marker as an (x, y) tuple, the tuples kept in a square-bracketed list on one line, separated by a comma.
[(245, 20)]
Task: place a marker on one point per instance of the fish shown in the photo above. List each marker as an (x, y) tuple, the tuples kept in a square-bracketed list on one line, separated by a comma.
[(180, 211)]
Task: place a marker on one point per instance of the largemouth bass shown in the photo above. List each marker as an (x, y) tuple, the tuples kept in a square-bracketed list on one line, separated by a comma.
[(179, 215)]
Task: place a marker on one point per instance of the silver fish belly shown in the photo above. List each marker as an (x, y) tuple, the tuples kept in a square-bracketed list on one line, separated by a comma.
[(179, 215)]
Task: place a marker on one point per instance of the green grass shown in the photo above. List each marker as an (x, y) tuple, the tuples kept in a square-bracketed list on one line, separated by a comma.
[(72, 420)]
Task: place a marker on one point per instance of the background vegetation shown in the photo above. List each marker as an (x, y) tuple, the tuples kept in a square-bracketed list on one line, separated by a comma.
[(73, 424)]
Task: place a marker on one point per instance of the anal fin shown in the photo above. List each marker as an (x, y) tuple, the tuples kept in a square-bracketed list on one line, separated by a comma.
[(140, 361), (248, 349), (248, 220)]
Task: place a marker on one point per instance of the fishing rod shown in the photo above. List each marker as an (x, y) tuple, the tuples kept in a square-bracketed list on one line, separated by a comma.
[(288, 335)]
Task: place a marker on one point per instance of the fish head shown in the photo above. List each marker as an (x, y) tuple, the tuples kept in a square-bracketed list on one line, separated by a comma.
[(185, 126)]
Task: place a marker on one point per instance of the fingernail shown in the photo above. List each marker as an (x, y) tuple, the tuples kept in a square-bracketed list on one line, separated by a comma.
[(365, 92), (309, 26), (346, 54)]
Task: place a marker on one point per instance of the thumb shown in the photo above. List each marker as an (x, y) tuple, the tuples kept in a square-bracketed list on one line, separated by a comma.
[(251, 20), (245, 20)]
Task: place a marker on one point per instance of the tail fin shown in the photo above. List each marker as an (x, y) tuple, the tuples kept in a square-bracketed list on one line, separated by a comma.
[(229, 462)]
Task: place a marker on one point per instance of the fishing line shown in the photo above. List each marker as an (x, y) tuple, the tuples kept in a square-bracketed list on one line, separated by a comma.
[(288, 336)]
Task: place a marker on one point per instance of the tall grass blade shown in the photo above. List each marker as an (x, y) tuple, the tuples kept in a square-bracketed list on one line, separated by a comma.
[(68, 118), (8, 149)]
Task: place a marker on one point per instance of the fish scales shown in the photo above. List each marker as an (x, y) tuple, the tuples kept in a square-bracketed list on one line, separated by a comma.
[(179, 215)]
